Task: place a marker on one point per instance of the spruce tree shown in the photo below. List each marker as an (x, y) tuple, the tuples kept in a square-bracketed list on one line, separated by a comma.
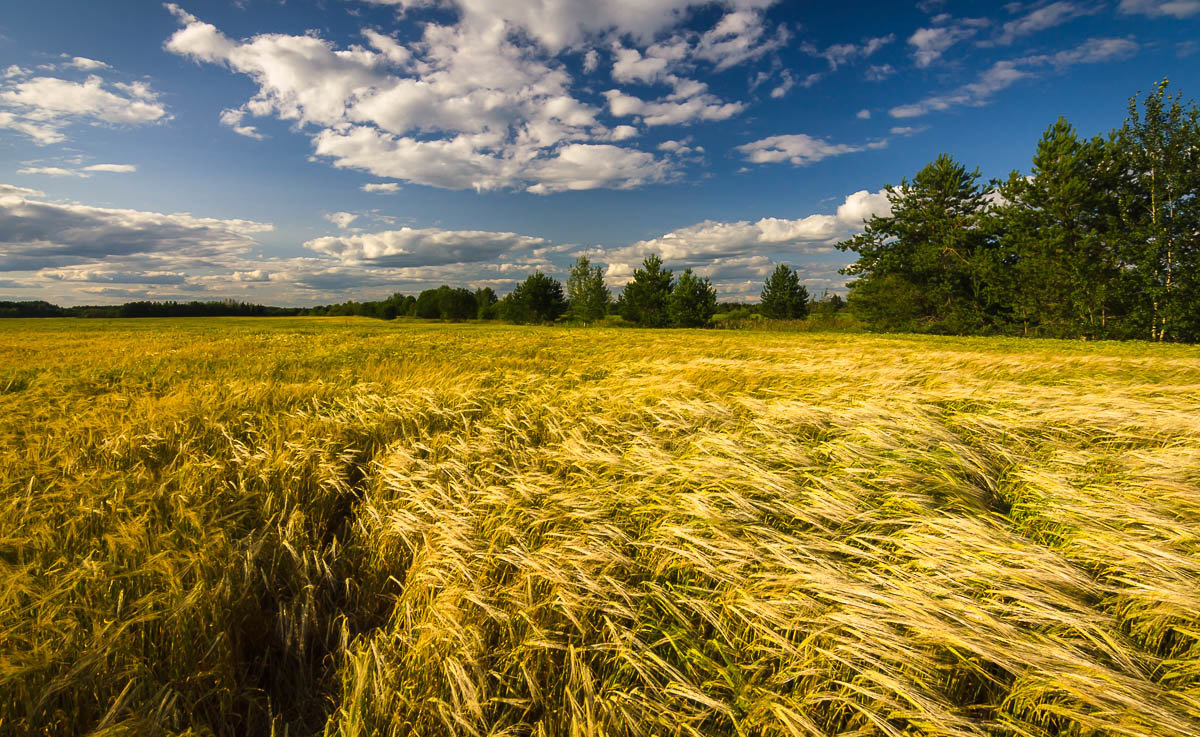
[(934, 251), (537, 299), (1062, 263), (783, 296), (692, 301), (644, 299)]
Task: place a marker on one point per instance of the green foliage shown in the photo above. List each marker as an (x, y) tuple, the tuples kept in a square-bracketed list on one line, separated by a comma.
[(486, 299), (1157, 152), (1053, 225), (587, 295), (429, 305), (692, 301), (539, 299), (643, 301), (935, 239), (783, 296), (1101, 240)]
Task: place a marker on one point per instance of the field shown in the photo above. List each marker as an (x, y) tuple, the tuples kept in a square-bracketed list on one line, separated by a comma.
[(349, 527)]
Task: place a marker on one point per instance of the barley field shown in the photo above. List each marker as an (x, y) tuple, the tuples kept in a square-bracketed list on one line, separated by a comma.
[(335, 526)]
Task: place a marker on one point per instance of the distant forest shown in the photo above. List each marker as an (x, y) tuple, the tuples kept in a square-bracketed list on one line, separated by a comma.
[(1101, 240)]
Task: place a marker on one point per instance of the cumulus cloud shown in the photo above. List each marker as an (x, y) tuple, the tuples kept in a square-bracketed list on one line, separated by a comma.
[(36, 234), (560, 24), (341, 219), (1003, 74), (799, 149), (486, 102), (1159, 8), (408, 247), (733, 251), (738, 37), (42, 107)]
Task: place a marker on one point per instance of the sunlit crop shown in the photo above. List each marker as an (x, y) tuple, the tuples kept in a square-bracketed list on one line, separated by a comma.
[(349, 527)]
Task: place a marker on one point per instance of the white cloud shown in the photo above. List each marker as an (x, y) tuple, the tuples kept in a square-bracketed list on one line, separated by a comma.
[(111, 168), (800, 149), (85, 64), (408, 247), (232, 118), (839, 55), (738, 255), (624, 132), (591, 60), (381, 187), (51, 171), (674, 109), (738, 37), (42, 107), (1003, 74), (1159, 8), (863, 205), (880, 72), (559, 24), (82, 173), (1039, 19), (12, 190), (929, 44), (35, 234), (863, 114), (341, 219), (466, 107), (907, 130)]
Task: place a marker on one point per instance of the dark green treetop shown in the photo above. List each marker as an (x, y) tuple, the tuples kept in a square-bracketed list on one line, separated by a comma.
[(783, 296), (692, 301)]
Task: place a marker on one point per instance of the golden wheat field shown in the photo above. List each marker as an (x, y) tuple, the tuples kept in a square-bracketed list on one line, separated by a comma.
[(348, 527)]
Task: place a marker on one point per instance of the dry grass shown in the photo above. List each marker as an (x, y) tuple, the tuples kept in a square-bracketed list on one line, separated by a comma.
[(343, 527)]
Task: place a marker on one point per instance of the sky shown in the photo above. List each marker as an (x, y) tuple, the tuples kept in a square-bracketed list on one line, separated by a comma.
[(299, 152)]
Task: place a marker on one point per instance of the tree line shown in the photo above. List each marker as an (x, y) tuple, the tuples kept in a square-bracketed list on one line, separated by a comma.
[(654, 297), (1100, 240)]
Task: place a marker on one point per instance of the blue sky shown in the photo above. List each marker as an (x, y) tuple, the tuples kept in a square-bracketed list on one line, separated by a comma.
[(305, 152)]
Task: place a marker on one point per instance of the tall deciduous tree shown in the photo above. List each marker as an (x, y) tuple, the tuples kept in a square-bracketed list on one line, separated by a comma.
[(587, 294), (1157, 152), (692, 301), (644, 299), (783, 296), (934, 251)]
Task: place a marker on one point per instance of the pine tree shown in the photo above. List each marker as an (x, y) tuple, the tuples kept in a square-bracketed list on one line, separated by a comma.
[(587, 294), (538, 299), (692, 301), (783, 297), (644, 299), (934, 250)]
